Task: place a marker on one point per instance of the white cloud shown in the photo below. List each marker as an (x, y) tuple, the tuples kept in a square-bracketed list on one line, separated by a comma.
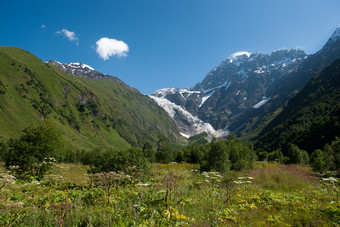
[(43, 26), (107, 47), (70, 35)]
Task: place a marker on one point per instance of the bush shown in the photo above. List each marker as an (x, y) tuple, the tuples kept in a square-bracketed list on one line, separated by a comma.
[(297, 155), (164, 154), (149, 152), (318, 161), (217, 157), (276, 156), (117, 160), (34, 151)]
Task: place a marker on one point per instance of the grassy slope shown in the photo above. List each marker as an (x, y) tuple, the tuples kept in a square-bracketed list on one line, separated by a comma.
[(89, 113)]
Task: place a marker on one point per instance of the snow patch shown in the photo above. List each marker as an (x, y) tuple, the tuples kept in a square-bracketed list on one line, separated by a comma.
[(240, 53), (205, 98), (261, 103), (161, 93), (80, 65), (185, 135), (225, 84)]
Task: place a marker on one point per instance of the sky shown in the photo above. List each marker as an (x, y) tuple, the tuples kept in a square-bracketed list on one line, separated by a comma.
[(154, 44)]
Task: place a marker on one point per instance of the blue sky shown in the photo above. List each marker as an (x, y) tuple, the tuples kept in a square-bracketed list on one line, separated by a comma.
[(154, 44)]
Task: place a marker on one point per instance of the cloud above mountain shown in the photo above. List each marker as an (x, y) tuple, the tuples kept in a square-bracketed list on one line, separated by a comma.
[(107, 48), (69, 35)]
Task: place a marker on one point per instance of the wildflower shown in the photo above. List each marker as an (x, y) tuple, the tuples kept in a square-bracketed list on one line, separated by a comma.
[(136, 205), (332, 179), (143, 185), (180, 216)]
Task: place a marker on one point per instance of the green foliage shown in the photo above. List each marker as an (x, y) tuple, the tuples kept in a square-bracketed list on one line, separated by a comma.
[(217, 157), (224, 155), (318, 161), (297, 155), (263, 156), (200, 139), (164, 153), (276, 156), (149, 152), (311, 119), (117, 160), (32, 153), (195, 153)]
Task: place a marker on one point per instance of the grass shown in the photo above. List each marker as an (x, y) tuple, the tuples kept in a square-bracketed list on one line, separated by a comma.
[(172, 195)]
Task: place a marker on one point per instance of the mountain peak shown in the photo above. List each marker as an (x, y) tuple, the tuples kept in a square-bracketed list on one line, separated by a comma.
[(240, 53), (80, 65)]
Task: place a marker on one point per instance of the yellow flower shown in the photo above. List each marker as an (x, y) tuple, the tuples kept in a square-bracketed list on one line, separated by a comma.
[(180, 216)]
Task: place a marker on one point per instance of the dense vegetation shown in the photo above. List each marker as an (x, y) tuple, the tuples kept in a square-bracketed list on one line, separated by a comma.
[(89, 114), (310, 121)]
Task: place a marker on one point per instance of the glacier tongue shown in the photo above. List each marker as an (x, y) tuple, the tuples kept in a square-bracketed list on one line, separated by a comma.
[(197, 125)]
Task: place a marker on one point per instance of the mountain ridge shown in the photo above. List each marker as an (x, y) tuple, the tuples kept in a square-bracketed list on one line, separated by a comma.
[(90, 113), (240, 93)]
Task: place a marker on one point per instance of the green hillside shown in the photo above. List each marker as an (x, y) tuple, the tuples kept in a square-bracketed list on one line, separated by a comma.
[(311, 118), (89, 113)]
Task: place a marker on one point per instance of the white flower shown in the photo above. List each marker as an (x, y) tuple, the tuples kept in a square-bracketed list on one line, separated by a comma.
[(143, 185)]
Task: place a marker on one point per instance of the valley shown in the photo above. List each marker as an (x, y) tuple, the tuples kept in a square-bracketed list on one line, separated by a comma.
[(256, 142)]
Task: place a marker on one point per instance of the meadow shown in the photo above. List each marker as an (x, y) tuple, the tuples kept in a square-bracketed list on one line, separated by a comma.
[(172, 194)]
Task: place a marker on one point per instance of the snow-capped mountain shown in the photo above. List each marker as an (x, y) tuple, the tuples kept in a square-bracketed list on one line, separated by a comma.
[(80, 69), (246, 76), (236, 95)]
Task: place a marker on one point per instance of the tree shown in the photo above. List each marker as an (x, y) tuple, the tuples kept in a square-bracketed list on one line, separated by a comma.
[(164, 153), (217, 157), (297, 155), (318, 161), (276, 156), (149, 152), (34, 151), (117, 160)]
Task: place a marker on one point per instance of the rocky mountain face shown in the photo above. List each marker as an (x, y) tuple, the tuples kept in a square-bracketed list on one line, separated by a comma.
[(239, 93)]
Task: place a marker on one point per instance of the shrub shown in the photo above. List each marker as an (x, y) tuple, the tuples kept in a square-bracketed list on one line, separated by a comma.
[(33, 152), (117, 160), (217, 157), (276, 156), (164, 153), (318, 161), (297, 155)]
